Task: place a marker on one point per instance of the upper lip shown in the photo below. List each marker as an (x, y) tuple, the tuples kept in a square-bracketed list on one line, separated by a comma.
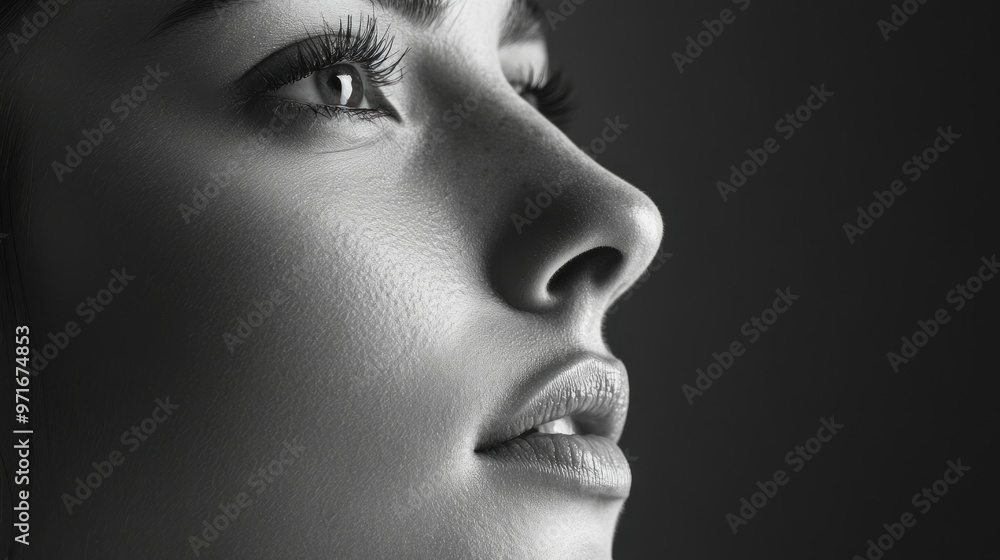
[(592, 391)]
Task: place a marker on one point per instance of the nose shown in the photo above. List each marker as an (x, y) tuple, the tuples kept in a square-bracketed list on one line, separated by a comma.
[(577, 234)]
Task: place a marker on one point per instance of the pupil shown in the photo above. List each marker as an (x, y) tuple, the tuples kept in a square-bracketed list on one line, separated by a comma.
[(346, 86)]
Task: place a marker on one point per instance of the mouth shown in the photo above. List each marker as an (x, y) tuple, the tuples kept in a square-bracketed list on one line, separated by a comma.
[(564, 431)]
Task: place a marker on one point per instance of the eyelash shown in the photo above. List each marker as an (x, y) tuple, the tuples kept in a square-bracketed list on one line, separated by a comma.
[(554, 97), (373, 53), (365, 47)]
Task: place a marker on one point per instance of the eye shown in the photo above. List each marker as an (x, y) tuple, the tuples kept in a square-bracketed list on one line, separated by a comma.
[(550, 95), (343, 86)]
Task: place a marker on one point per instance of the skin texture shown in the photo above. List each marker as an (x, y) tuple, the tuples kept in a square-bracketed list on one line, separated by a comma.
[(411, 309)]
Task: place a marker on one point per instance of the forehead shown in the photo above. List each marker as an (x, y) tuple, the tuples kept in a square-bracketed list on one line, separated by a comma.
[(522, 18), (105, 34), (186, 12)]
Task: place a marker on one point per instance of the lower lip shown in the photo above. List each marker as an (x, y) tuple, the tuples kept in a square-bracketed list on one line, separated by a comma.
[(586, 464)]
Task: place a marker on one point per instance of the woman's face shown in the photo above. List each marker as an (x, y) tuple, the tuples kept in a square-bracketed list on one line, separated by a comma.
[(357, 271)]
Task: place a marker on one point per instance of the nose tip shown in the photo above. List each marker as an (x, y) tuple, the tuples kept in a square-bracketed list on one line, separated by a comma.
[(584, 238)]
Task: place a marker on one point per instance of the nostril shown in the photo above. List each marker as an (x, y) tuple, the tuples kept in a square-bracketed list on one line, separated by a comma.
[(598, 267)]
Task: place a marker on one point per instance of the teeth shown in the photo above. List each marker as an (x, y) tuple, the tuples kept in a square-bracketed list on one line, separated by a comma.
[(561, 426)]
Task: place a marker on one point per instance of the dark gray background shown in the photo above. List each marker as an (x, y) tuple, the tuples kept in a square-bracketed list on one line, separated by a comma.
[(827, 355)]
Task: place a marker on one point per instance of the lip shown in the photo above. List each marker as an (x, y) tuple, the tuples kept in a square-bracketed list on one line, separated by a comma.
[(591, 391)]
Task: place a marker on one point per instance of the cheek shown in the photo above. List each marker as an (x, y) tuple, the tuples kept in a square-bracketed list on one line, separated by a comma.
[(274, 304), (260, 280)]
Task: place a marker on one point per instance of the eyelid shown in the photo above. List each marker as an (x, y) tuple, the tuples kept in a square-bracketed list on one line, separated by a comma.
[(362, 45)]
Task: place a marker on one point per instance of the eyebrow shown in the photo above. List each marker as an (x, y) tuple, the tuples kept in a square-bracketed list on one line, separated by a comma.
[(522, 23)]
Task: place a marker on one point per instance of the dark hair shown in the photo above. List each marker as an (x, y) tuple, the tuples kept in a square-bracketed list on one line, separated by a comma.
[(13, 183), (13, 189)]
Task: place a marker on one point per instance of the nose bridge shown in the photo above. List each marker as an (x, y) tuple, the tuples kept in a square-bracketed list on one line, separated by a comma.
[(554, 228)]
